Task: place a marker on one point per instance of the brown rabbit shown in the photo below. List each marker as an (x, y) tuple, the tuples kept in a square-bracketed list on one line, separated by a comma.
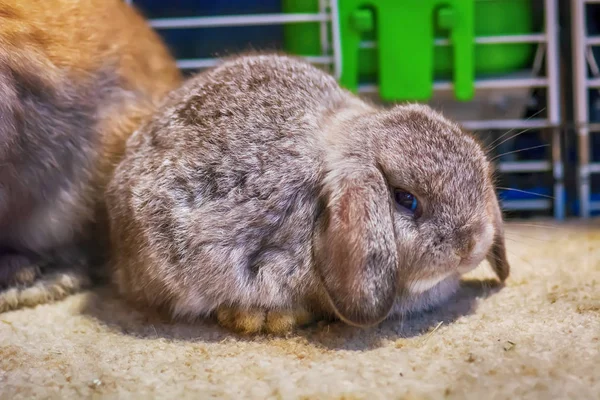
[(265, 193), (76, 79)]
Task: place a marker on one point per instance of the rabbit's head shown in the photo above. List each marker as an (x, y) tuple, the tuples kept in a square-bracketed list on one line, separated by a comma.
[(408, 202)]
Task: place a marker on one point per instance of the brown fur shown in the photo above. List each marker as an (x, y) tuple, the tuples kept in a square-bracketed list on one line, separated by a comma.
[(261, 190), (76, 79)]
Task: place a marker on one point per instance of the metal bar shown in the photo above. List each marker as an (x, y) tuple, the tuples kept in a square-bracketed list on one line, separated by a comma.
[(559, 200), (580, 100), (538, 60), (199, 63), (505, 124), (336, 38), (533, 38), (553, 102), (593, 83), (594, 168), (499, 83), (524, 166), (521, 205), (558, 174), (552, 61), (594, 205), (236, 20), (591, 60), (321, 60), (593, 41), (324, 37), (488, 83)]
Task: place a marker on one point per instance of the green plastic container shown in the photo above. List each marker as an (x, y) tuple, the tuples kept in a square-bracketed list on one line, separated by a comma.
[(492, 18)]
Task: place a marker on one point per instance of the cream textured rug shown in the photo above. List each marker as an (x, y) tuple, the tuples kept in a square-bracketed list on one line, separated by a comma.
[(537, 337)]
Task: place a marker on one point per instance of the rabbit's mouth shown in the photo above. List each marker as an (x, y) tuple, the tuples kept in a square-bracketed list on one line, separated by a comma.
[(425, 294), (466, 267), (419, 286), (469, 264), (483, 243)]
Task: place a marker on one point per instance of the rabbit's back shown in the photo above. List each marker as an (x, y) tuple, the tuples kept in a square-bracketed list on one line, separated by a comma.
[(245, 132)]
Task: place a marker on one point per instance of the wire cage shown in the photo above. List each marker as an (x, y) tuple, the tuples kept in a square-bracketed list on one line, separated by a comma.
[(585, 31), (516, 113)]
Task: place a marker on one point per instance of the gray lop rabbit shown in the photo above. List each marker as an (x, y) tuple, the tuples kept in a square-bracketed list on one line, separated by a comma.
[(264, 193)]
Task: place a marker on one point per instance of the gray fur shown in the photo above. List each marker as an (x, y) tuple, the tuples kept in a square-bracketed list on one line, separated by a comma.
[(261, 184)]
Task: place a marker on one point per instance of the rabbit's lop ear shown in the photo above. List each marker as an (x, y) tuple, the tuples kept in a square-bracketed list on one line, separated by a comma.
[(355, 248), (497, 254)]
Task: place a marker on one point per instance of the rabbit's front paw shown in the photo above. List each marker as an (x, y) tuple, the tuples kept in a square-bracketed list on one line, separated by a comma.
[(25, 282), (17, 270), (255, 321)]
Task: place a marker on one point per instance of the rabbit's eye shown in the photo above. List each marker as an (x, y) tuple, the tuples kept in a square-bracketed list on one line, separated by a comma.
[(406, 200)]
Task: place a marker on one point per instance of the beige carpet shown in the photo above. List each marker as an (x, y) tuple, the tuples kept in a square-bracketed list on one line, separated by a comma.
[(537, 337)]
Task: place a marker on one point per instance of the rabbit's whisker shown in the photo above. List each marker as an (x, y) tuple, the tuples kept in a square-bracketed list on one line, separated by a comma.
[(519, 236), (490, 149), (525, 191), (520, 257), (535, 225), (520, 150), (512, 130)]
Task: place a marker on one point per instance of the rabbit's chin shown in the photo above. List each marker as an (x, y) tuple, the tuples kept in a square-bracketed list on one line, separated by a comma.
[(425, 295)]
